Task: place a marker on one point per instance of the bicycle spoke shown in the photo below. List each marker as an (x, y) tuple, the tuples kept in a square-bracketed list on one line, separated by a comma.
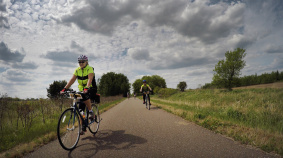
[(68, 129), (94, 124)]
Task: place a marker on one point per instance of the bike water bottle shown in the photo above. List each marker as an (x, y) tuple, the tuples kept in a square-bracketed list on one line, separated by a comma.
[(82, 113)]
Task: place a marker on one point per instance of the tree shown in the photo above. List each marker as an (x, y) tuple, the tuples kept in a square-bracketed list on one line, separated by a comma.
[(182, 86), (227, 71), (112, 84), (137, 85), (153, 81), (53, 92)]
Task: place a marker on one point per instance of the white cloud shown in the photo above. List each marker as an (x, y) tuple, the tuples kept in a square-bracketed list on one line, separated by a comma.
[(178, 40)]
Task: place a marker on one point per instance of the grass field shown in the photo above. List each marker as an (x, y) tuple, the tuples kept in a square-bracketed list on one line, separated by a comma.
[(18, 138), (252, 116)]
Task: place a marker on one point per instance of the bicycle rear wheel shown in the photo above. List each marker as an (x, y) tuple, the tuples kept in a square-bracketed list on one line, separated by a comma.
[(146, 101), (94, 124), (148, 106), (68, 129)]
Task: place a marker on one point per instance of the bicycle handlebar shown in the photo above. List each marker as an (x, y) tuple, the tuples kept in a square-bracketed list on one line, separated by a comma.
[(71, 91)]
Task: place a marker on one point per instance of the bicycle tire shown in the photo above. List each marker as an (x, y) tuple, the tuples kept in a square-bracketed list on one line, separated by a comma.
[(146, 101), (94, 124), (68, 129)]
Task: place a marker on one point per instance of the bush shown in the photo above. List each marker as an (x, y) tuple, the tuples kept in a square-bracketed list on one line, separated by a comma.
[(166, 92), (156, 90)]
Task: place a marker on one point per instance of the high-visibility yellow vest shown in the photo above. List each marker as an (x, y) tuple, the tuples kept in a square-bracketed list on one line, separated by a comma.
[(82, 76)]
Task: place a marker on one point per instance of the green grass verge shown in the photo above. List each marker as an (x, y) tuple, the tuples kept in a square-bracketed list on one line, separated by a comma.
[(18, 142), (251, 116)]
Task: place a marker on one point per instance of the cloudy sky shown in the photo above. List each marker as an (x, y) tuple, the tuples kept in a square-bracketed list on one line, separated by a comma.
[(179, 40)]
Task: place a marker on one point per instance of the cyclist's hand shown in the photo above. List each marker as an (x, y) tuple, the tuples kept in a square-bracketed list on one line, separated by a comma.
[(85, 90), (63, 91)]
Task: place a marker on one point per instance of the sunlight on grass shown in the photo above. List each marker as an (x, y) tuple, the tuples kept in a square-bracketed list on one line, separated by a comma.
[(252, 116)]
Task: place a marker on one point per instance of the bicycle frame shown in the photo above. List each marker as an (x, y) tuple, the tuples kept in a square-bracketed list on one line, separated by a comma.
[(76, 109), (146, 99), (75, 121)]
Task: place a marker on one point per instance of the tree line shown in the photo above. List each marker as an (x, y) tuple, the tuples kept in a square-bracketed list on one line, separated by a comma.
[(111, 84), (228, 71), (250, 80), (226, 75), (264, 78)]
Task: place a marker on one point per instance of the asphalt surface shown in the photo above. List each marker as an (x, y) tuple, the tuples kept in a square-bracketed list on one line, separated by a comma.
[(130, 130)]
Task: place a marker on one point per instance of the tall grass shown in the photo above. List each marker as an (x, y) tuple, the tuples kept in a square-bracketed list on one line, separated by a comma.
[(26, 121), (253, 116)]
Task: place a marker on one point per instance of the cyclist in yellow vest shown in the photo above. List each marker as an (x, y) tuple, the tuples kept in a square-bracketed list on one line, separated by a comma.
[(84, 73), (144, 88)]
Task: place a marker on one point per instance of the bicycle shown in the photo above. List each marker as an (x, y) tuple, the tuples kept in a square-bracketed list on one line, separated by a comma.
[(69, 125), (128, 95), (146, 98)]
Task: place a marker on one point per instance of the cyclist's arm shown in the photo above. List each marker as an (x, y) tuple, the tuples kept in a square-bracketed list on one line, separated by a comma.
[(72, 80), (90, 77)]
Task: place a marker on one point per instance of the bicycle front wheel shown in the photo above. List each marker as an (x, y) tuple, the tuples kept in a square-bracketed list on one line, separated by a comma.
[(94, 124), (68, 129)]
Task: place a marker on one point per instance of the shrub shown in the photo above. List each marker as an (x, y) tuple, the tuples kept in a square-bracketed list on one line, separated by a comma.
[(166, 92)]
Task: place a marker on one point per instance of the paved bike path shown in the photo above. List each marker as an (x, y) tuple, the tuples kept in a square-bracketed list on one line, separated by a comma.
[(130, 130)]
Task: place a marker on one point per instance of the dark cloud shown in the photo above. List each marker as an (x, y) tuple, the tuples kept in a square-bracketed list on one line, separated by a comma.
[(28, 65), (3, 20), (99, 16), (274, 49), (139, 54), (201, 20), (16, 76), (175, 63), (198, 72), (245, 42), (61, 56), (66, 57), (76, 46), (2, 6), (8, 55)]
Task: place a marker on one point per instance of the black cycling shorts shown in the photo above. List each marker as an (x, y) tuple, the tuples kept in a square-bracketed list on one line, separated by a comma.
[(85, 96), (82, 106), (89, 95)]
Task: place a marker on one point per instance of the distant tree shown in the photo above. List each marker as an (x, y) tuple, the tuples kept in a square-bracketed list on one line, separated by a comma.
[(112, 84), (153, 81), (53, 92), (182, 86), (277, 76), (226, 71), (137, 85), (3, 107), (281, 76)]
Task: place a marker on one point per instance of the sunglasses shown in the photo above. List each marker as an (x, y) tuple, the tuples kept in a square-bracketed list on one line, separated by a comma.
[(81, 62)]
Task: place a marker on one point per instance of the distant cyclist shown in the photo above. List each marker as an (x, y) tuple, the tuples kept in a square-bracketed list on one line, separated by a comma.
[(128, 95), (85, 75), (145, 88)]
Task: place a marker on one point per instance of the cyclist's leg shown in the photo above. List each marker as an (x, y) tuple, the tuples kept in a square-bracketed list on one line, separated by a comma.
[(148, 98), (82, 108), (86, 99), (143, 96)]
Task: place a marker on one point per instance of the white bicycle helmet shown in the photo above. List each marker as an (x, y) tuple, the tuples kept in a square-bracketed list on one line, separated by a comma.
[(83, 57)]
